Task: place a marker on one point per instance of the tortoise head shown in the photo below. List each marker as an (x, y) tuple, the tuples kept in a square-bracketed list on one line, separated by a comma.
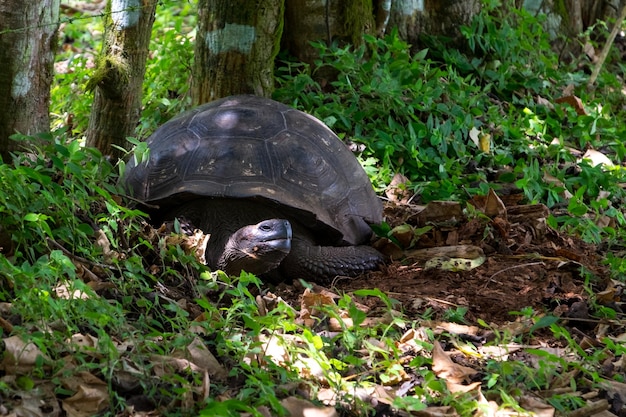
[(257, 248)]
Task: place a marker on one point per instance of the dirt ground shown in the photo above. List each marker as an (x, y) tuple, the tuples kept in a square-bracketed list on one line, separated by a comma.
[(525, 264)]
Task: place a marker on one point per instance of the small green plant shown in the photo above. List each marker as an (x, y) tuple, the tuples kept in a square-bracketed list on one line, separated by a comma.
[(70, 234), (394, 103), (565, 403), (501, 40), (456, 315), (168, 71)]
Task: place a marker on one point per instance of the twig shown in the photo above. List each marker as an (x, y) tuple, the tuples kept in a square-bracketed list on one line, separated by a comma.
[(509, 268), (589, 410), (143, 203), (76, 257), (6, 326), (607, 47)]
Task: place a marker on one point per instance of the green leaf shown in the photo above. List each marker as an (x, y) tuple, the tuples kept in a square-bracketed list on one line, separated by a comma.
[(32, 217), (543, 322)]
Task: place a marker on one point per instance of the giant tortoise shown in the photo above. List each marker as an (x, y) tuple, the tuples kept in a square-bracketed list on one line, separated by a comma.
[(275, 188)]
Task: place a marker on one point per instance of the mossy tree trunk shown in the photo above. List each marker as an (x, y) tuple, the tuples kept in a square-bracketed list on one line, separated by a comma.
[(431, 18), (572, 17), (329, 21), (236, 45), (118, 78), (27, 41)]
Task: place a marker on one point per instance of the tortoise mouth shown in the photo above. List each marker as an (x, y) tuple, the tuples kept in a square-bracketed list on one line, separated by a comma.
[(279, 245), (273, 235)]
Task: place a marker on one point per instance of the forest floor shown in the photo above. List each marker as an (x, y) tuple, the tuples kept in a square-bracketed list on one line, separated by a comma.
[(522, 263), (503, 270), (526, 264)]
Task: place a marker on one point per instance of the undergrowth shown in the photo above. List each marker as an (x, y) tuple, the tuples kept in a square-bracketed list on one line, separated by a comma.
[(78, 263), (457, 123)]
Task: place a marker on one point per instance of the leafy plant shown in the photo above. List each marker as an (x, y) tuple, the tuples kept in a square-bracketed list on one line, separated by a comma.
[(395, 104)]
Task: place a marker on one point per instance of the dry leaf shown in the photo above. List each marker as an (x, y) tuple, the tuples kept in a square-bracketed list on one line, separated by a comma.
[(544, 102), (79, 341), (404, 234), (102, 241), (487, 408), (66, 292), (474, 135), (312, 301), (550, 179), (460, 388), (494, 207), (41, 401), (597, 158), (166, 365), (537, 406), (409, 340), (91, 395), (442, 411), (202, 357), (485, 142), (445, 368), (573, 101), (19, 356), (449, 212), (397, 190)]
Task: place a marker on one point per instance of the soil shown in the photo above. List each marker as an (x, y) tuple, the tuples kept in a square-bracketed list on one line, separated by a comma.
[(526, 264)]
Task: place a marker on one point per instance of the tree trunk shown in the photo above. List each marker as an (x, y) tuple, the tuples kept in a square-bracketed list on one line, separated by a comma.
[(119, 74), (27, 43), (343, 21), (572, 17), (414, 19), (235, 48)]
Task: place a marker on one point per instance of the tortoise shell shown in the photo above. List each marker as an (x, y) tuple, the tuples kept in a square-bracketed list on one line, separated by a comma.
[(257, 148)]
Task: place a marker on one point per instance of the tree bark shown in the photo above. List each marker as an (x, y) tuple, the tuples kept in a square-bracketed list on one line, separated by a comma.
[(118, 77), (431, 17), (27, 43), (236, 45), (566, 20), (327, 21)]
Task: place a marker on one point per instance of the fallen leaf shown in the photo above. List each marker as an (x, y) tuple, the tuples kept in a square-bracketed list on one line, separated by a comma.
[(67, 292), (597, 158), (454, 264), (310, 305), (410, 340), (20, 356), (487, 408), (404, 234), (102, 241), (474, 135), (202, 357), (442, 411), (573, 101), (494, 207), (91, 395), (460, 388), (445, 368), (485, 142), (544, 102), (537, 406), (449, 212), (397, 190)]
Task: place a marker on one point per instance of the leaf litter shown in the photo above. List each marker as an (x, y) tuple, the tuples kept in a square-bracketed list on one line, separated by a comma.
[(523, 264)]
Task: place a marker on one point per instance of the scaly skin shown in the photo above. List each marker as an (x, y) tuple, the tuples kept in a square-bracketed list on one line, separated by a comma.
[(237, 242), (323, 263)]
